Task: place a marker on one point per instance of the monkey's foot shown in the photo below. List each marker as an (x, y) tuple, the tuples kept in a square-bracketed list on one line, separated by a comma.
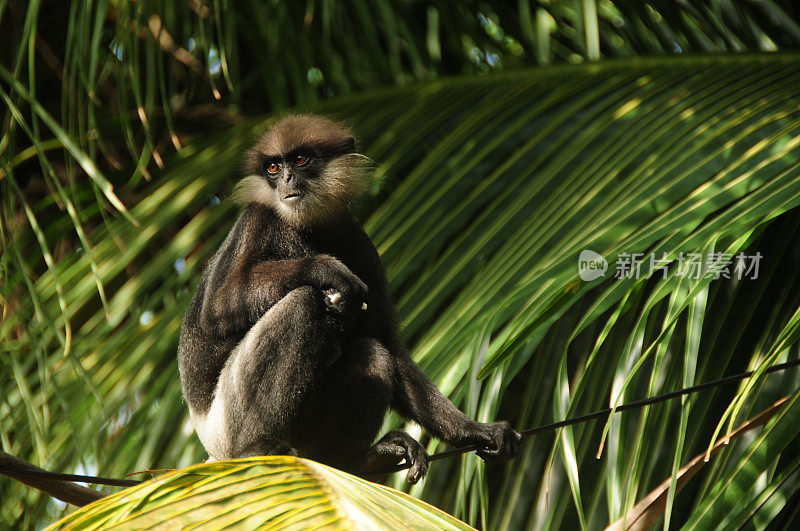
[(394, 447)]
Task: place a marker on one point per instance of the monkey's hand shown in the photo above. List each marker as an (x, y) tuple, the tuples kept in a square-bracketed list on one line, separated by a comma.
[(345, 293), (394, 447), (496, 441)]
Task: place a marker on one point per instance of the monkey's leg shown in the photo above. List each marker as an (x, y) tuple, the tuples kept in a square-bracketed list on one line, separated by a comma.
[(266, 377), (417, 398), (341, 422)]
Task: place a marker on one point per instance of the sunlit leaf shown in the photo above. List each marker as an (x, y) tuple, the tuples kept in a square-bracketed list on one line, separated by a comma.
[(259, 493)]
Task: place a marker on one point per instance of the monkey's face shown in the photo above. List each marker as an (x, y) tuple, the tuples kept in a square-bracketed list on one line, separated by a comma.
[(292, 176), (306, 168)]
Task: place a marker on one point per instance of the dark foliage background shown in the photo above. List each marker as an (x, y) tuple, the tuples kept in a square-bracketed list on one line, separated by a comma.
[(508, 137)]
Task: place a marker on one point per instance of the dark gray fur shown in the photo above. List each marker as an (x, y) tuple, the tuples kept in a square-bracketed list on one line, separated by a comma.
[(269, 365)]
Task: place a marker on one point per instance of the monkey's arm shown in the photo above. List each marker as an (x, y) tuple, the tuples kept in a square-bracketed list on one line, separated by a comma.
[(413, 395), (417, 398), (245, 292), (248, 275)]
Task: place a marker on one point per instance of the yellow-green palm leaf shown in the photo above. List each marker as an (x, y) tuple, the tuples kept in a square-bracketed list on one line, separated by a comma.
[(275, 492)]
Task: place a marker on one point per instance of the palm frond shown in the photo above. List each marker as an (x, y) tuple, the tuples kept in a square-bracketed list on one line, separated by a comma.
[(492, 187), (279, 492)]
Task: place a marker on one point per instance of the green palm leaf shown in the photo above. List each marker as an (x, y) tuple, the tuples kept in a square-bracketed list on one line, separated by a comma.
[(259, 493), (737, 496)]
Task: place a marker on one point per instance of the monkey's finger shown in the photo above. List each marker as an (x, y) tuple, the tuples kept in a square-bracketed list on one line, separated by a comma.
[(491, 455), (414, 475), (504, 451), (495, 452), (419, 467), (335, 300), (488, 454)]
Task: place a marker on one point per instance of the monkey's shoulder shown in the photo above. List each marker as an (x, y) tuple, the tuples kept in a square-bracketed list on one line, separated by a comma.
[(339, 237)]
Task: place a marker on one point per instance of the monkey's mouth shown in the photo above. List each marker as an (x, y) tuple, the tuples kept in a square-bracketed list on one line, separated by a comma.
[(294, 197)]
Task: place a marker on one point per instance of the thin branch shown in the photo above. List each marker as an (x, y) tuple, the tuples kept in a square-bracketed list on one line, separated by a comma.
[(603, 413)]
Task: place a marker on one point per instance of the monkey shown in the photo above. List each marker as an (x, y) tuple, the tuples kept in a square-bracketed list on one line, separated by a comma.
[(290, 344)]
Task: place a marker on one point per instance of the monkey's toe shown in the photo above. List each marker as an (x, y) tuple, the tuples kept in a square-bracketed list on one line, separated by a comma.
[(404, 447), (416, 456)]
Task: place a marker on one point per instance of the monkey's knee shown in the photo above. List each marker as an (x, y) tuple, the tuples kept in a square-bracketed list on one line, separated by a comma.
[(300, 309), (304, 298), (372, 359)]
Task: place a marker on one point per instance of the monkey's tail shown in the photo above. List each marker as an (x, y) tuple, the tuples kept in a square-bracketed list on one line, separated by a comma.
[(42, 480)]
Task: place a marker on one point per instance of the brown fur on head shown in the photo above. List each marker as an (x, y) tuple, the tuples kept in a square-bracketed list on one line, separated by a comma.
[(340, 176)]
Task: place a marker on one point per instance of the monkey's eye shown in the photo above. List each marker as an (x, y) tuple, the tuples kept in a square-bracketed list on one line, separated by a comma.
[(273, 168), (300, 160)]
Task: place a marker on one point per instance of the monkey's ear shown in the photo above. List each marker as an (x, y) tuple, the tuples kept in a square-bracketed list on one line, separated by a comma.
[(253, 162), (350, 145)]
